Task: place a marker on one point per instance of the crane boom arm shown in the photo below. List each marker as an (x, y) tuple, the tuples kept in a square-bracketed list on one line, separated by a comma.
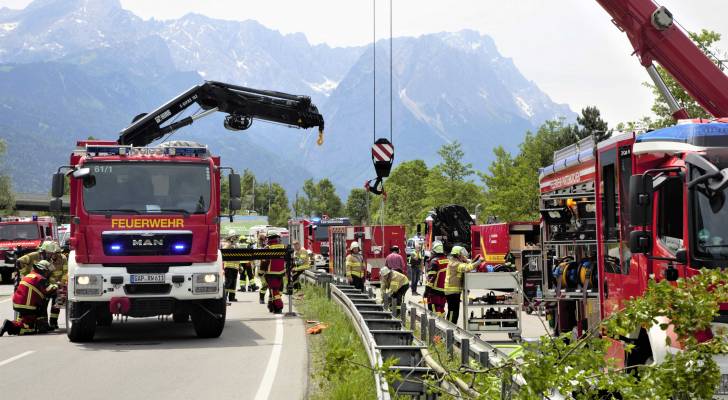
[(240, 103), (655, 37)]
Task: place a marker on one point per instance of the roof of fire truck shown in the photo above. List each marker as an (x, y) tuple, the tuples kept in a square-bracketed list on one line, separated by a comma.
[(686, 136)]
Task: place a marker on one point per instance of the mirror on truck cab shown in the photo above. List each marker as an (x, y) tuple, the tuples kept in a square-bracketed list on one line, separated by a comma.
[(640, 199), (234, 204), (59, 180), (640, 242), (56, 205), (234, 181)]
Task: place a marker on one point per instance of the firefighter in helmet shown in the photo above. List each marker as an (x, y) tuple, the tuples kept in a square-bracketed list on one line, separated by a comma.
[(355, 266), (275, 270), (262, 268), (435, 287), (457, 266), (301, 262), (394, 285), (29, 301), (231, 267), (247, 277), (52, 252)]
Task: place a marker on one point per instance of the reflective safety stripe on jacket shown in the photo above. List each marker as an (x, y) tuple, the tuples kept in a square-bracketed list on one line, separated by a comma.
[(454, 275), (395, 281), (31, 292), (355, 265), (300, 259), (59, 266), (276, 266)]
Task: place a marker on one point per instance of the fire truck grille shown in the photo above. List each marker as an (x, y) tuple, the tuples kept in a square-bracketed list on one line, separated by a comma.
[(150, 307), (147, 288)]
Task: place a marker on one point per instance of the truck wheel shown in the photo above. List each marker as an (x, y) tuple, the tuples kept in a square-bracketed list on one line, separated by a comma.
[(208, 318), (82, 330), (181, 317)]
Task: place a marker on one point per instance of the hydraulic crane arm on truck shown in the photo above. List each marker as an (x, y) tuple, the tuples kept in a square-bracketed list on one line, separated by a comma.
[(654, 37), (242, 105)]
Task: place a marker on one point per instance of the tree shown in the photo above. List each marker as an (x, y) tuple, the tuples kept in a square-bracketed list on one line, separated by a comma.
[(271, 200), (7, 199), (591, 123), (319, 199), (446, 182), (406, 189), (357, 206), (452, 166), (705, 40)]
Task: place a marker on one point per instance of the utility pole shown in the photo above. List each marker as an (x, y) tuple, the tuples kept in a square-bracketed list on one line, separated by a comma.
[(269, 193)]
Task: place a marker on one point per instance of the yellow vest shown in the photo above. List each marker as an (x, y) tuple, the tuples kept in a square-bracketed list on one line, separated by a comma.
[(59, 267), (395, 281), (301, 260), (454, 275), (355, 265)]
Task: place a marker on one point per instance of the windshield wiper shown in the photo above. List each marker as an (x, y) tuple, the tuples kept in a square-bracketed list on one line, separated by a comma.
[(117, 210), (177, 210)]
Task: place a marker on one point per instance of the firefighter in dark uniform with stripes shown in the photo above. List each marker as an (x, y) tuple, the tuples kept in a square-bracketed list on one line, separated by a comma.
[(231, 267)]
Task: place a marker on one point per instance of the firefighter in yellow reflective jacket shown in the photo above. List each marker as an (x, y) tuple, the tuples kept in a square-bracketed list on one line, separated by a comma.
[(301, 262), (231, 267), (394, 284), (247, 268), (58, 270), (262, 268), (457, 266), (355, 266)]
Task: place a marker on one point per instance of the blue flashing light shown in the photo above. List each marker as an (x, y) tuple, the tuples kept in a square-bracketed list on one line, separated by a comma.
[(115, 247), (316, 219), (187, 151), (695, 133), (179, 247), (35, 218)]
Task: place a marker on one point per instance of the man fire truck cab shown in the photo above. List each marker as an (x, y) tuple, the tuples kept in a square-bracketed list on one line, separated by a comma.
[(628, 210), (145, 233), (20, 235)]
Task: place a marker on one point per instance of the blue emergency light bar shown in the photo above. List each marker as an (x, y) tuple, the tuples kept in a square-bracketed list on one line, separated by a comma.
[(705, 134), (122, 150)]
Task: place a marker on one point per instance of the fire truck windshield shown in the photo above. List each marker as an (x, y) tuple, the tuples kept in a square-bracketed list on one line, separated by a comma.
[(148, 188), (19, 232)]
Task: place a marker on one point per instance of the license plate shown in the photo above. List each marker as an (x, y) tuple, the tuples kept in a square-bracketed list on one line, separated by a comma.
[(147, 278)]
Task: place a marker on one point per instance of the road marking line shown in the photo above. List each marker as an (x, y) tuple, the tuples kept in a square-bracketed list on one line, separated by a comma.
[(5, 301), (272, 368), (19, 356)]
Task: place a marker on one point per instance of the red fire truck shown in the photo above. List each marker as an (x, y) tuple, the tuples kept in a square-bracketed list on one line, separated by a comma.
[(145, 236), (374, 242), (313, 234), (20, 235)]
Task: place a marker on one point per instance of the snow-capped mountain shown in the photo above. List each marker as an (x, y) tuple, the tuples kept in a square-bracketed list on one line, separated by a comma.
[(73, 68)]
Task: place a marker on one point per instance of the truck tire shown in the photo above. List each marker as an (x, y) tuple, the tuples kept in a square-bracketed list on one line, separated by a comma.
[(82, 330), (208, 318)]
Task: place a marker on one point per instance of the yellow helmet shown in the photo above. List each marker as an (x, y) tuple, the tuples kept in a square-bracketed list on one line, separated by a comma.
[(50, 247)]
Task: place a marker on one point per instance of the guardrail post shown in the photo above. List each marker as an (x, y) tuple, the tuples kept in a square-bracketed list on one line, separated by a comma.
[(484, 358), (370, 291), (465, 351), (423, 327), (413, 319), (449, 342), (328, 290), (431, 330), (403, 313), (393, 304)]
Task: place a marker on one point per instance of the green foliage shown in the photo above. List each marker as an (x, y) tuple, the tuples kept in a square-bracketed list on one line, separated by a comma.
[(448, 183), (357, 206), (339, 364), (271, 200), (7, 199), (452, 166), (319, 199), (705, 40)]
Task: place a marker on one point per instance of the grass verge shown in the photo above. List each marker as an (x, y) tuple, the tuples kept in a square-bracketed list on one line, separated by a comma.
[(339, 363)]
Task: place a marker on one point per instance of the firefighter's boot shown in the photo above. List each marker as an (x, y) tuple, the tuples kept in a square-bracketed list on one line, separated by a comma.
[(53, 324), (262, 298), (231, 296), (10, 328), (253, 288), (271, 308), (242, 288)]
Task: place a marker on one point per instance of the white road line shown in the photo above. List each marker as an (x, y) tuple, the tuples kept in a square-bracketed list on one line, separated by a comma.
[(272, 368), (19, 356), (5, 301)]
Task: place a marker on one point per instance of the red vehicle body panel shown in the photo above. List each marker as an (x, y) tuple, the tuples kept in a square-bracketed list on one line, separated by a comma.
[(375, 242)]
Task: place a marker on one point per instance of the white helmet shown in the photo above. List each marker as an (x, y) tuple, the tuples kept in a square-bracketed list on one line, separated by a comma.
[(384, 271), (231, 232), (354, 245)]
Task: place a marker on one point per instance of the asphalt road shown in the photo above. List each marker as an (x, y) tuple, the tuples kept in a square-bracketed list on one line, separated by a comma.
[(259, 356)]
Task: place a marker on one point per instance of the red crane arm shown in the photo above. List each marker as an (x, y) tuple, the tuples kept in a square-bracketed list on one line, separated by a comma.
[(655, 37)]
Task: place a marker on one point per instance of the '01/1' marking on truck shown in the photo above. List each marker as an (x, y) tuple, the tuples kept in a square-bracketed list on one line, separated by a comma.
[(145, 223)]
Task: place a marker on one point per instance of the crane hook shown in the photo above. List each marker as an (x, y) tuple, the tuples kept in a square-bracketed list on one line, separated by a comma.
[(320, 139)]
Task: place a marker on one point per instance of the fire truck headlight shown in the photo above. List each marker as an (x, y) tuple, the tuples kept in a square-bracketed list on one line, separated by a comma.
[(205, 283), (88, 285)]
